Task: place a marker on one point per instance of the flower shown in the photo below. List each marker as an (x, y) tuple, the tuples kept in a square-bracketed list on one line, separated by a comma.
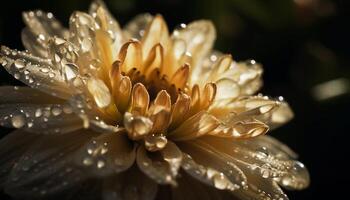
[(137, 113)]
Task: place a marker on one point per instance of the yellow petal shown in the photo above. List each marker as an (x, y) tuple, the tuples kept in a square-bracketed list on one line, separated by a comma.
[(156, 33), (180, 77), (130, 55), (139, 99), (180, 109), (154, 60)]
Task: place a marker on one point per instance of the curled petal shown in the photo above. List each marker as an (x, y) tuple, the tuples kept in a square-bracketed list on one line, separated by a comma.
[(106, 154), (180, 109), (139, 99), (196, 126), (154, 59), (180, 77), (131, 56), (154, 166)]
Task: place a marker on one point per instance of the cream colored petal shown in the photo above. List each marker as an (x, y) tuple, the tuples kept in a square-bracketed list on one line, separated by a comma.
[(40, 27), (137, 126), (106, 154), (248, 75), (43, 171), (220, 67), (35, 72), (100, 120), (137, 26), (196, 126), (154, 166), (274, 146), (199, 37), (156, 33), (82, 27), (139, 99), (207, 175), (43, 119), (269, 111), (108, 23), (180, 77), (131, 56), (218, 171), (30, 109), (100, 92), (132, 184), (227, 89), (179, 109), (261, 163)]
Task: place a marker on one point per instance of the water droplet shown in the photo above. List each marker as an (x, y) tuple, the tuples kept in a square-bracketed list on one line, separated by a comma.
[(100, 164), (86, 45), (17, 121), (71, 71), (17, 75), (56, 111), (87, 161), (19, 64), (30, 124), (38, 112)]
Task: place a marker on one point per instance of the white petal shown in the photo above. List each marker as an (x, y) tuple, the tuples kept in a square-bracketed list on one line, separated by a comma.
[(40, 27), (106, 154), (35, 72), (136, 27), (46, 166), (154, 166)]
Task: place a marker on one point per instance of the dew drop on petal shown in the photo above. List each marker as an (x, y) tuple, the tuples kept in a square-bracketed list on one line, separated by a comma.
[(17, 121), (19, 64), (71, 71), (86, 44)]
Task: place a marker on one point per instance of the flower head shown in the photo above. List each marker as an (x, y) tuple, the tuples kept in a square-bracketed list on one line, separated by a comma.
[(128, 112)]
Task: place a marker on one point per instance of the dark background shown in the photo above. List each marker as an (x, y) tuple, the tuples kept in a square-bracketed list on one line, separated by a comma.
[(301, 43)]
